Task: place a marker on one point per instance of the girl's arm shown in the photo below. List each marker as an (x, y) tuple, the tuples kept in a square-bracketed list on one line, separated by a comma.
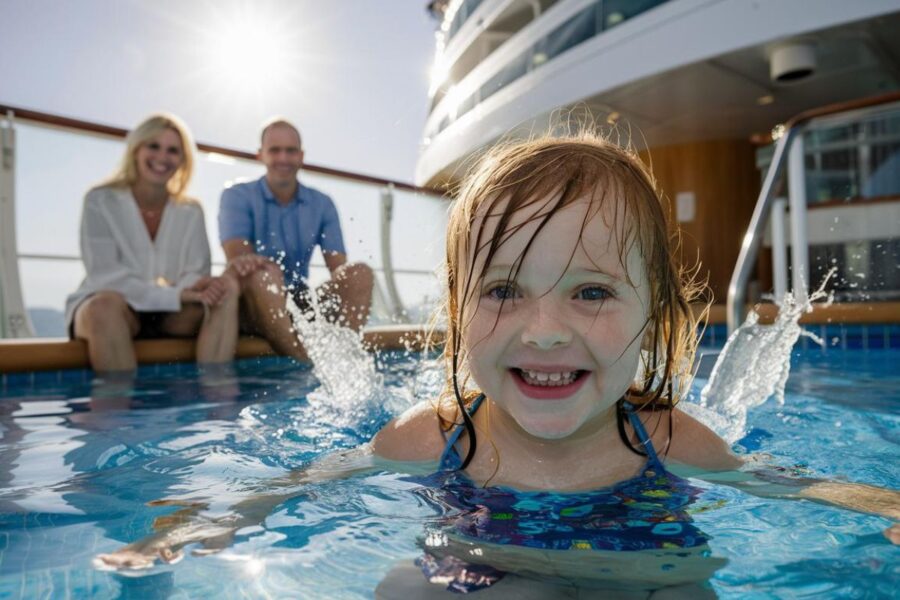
[(189, 526), (704, 455), (396, 447)]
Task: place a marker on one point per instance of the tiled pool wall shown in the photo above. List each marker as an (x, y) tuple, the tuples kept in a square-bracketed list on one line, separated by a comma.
[(38, 379), (836, 336)]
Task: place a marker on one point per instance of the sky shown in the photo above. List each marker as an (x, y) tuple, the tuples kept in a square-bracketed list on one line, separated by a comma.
[(353, 74)]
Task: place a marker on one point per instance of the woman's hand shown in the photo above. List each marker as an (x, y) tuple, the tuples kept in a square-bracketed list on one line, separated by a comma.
[(207, 290)]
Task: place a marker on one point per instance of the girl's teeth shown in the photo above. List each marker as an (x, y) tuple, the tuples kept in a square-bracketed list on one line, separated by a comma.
[(548, 379)]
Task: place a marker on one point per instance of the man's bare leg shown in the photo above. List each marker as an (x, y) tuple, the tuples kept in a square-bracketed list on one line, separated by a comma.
[(263, 298), (351, 286), (108, 325)]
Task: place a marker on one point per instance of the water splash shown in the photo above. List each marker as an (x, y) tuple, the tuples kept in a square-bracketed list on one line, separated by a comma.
[(351, 385), (753, 366)]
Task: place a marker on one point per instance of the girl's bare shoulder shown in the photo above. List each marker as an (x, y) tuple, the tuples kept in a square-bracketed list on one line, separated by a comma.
[(414, 435), (695, 444)]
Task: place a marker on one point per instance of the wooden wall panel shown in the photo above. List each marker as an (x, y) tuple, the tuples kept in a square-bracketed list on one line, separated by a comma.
[(725, 182)]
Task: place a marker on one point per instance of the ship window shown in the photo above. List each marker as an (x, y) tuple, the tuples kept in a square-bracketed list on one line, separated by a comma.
[(615, 12)]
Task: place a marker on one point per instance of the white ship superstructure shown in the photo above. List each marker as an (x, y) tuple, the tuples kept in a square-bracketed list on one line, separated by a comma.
[(698, 86)]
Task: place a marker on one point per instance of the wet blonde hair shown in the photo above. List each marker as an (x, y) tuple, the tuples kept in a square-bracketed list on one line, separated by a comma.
[(127, 174), (547, 175)]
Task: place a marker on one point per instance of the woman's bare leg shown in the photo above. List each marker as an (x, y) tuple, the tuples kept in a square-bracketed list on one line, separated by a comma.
[(218, 337), (108, 325), (216, 332)]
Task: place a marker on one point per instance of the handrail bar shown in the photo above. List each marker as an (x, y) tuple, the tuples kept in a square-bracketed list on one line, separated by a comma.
[(118, 132), (737, 287)]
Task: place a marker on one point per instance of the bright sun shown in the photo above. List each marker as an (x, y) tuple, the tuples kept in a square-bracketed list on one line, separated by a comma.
[(248, 50)]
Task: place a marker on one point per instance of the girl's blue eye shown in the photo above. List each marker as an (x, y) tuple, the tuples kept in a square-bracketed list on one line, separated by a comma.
[(501, 292), (593, 293)]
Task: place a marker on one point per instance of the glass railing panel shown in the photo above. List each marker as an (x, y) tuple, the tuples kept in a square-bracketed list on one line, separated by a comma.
[(510, 72), (418, 231), (864, 270), (421, 295), (45, 285), (572, 32), (54, 169), (616, 12), (851, 160), (465, 10)]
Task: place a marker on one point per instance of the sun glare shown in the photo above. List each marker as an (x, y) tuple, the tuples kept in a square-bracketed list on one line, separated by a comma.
[(247, 52), (246, 49)]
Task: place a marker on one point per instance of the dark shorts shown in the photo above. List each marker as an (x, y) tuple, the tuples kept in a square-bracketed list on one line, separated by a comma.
[(150, 325)]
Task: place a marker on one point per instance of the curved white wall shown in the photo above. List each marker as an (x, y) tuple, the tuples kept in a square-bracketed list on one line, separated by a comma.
[(672, 35)]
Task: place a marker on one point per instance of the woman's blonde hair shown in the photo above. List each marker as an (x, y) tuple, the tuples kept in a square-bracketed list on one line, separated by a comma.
[(551, 173), (126, 175)]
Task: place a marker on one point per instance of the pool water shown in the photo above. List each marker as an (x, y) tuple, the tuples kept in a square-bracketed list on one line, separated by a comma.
[(79, 460)]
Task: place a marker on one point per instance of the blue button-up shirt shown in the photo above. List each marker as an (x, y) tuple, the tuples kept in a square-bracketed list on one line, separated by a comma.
[(287, 233)]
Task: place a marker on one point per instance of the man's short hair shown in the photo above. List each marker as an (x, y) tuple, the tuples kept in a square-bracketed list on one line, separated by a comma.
[(279, 122)]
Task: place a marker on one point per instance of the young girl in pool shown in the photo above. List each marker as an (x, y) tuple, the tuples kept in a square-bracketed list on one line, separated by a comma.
[(570, 340)]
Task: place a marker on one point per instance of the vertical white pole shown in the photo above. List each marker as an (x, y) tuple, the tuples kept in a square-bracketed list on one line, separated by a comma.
[(387, 262), (779, 248), (797, 195), (14, 320)]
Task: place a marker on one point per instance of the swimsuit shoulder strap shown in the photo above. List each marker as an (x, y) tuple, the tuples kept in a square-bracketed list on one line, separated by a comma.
[(633, 418), (450, 459)]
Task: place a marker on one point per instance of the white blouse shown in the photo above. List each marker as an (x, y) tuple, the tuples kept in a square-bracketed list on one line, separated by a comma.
[(119, 255)]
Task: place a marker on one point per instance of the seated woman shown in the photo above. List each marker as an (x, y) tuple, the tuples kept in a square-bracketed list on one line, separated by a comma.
[(147, 257)]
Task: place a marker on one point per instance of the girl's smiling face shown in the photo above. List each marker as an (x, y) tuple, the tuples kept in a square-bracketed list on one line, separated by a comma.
[(556, 347)]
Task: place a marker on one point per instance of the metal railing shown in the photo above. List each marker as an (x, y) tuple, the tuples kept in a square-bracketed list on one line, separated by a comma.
[(789, 152)]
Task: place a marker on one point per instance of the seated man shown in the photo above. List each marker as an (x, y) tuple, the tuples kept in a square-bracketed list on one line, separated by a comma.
[(269, 229)]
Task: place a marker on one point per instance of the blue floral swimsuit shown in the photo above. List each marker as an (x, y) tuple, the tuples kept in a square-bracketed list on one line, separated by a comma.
[(646, 512)]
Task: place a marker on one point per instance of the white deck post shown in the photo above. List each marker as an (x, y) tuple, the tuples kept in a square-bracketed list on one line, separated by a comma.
[(797, 196), (387, 214), (779, 248), (14, 320)]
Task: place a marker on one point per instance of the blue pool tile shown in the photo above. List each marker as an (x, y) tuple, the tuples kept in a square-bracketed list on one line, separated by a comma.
[(45, 378), (74, 375), (876, 337), (892, 336), (18, 380), (855, 337)]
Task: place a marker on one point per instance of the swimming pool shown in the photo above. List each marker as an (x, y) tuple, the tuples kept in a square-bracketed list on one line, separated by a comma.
[(79, 461)]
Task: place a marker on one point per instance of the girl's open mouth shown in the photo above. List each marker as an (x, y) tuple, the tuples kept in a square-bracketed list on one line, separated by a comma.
[(549, 385)]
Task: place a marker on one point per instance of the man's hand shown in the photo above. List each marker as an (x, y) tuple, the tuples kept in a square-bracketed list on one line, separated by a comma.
[(245, 264), (208, 290)]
